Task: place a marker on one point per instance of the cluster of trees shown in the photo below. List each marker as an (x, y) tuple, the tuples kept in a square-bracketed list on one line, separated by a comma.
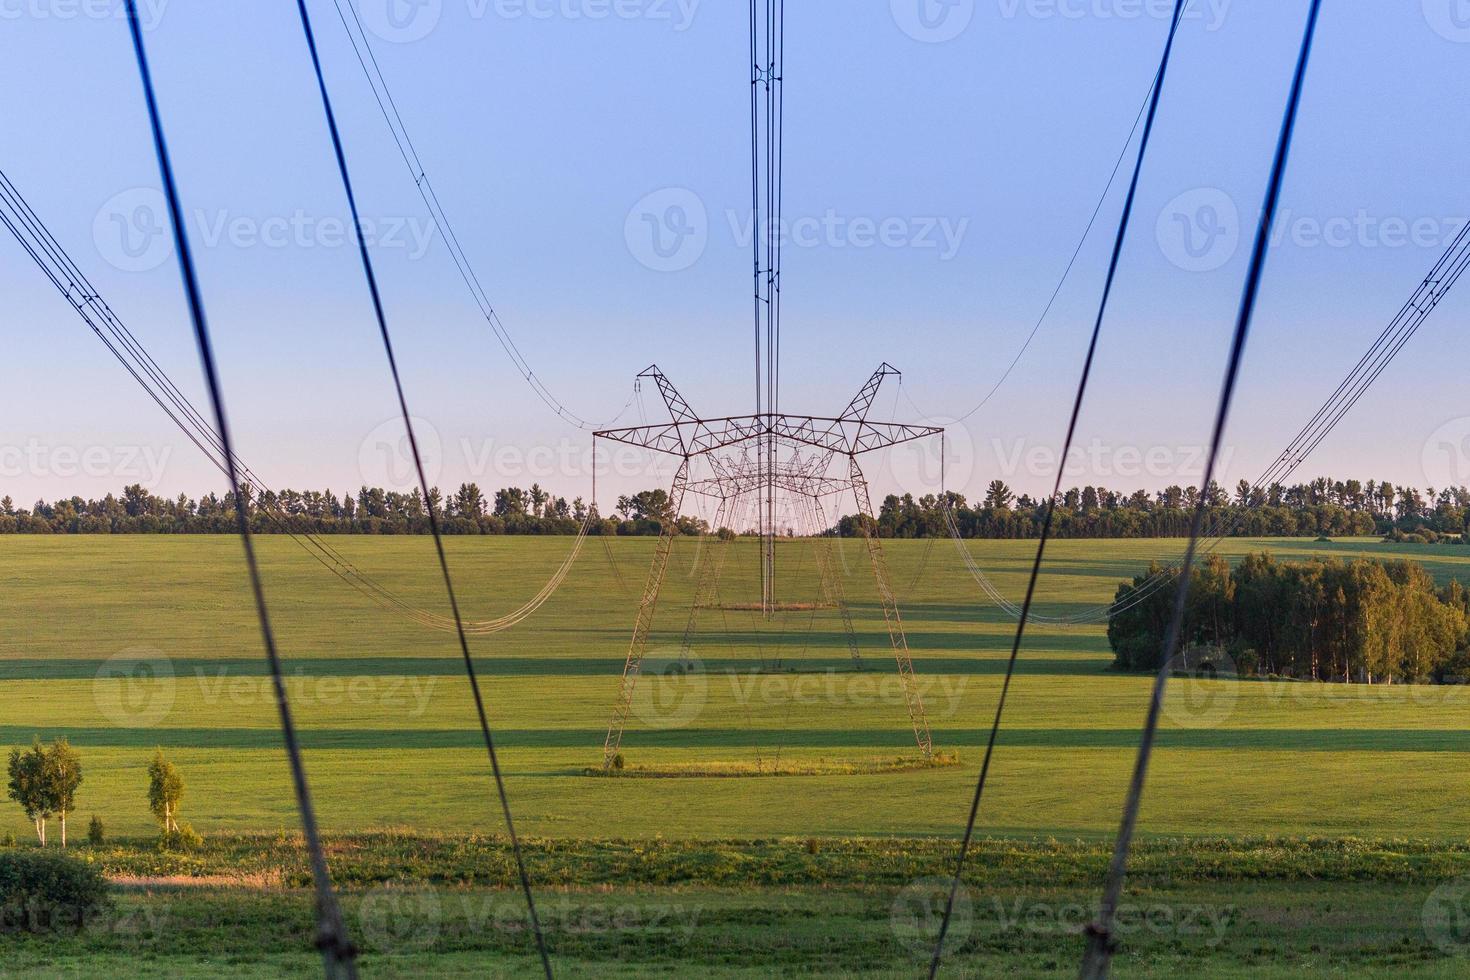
[(372, 510), (44, 780), (1359, 621), (1320, 507)]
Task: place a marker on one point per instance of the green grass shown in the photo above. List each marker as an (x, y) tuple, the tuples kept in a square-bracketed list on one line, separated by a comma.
[(445, 906), (392, 741), (391, 735)]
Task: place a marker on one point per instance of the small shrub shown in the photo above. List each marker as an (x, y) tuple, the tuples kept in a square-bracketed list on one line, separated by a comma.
[(618, 761), (96, 833), (183, 839), (813, 846), (8, 840), (46, 892)]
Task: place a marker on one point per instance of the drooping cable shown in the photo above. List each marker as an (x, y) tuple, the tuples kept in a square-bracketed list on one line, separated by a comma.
[(363, 49), (338, 953), (382, 321), (1100, 942), (41, 245), (1071, 261), (1102, 309), (1426, 297)]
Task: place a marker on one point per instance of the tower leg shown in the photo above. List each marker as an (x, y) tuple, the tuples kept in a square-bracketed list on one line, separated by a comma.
[(890, 614), (642, 626)]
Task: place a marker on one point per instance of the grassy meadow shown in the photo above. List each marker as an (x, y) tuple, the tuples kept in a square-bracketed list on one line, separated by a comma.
[(125, 643)]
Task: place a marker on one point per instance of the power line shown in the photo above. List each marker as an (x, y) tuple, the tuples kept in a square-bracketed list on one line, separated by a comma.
[(363, 49), (338, 952), (1100, 942), (1071, 262), (464, 645), (1102, 309)]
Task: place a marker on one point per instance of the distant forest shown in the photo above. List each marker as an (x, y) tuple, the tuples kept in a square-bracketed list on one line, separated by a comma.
[(1322, 507), (1322, 619)]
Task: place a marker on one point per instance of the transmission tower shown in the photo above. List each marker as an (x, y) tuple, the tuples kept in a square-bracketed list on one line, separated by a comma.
[(800, 456)]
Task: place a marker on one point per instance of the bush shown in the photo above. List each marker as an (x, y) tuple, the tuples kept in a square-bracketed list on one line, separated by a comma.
[(183, 839), (96, 834), (44, 892), (8, 840), (618, 761)]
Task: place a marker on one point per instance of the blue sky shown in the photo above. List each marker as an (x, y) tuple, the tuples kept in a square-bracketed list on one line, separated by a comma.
[(939, 170)]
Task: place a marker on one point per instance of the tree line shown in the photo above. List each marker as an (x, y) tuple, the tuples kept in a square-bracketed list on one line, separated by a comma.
[(44, 780), (1336, 508), (371, 510), (1322, 619)]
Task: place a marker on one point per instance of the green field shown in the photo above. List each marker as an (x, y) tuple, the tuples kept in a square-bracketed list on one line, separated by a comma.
[(392, 742)]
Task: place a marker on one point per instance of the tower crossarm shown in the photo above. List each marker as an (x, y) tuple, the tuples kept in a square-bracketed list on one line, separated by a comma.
[(834, 435)]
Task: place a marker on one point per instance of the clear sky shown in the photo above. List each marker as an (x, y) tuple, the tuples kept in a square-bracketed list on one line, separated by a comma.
[(975, 135)]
